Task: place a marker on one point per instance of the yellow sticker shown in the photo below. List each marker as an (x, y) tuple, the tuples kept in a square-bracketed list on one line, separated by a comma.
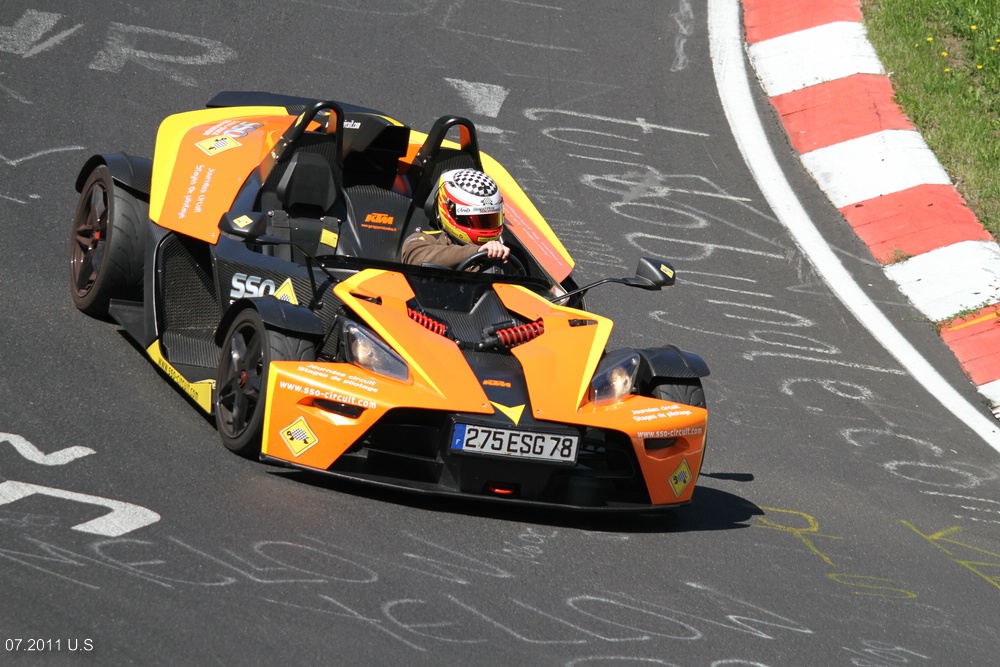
[(667, 270), (329, 238), (681, 478), (514, 413), (286, 292), (243, 221), (215, 145), (298, 436)]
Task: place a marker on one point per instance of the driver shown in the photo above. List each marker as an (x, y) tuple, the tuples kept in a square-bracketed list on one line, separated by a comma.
[(469, 217)]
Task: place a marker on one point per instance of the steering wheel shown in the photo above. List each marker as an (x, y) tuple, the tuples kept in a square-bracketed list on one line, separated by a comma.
[(482, 262)]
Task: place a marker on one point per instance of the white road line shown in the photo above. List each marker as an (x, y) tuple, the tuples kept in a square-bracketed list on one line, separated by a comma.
[(726, 44)]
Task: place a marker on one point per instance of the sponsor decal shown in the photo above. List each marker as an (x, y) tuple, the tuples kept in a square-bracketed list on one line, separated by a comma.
[(200, 391), (681, 478), (248, 286), (195, 195), (242, 129), (379, 218), (496, 383), (380, 221), (217, 144), (351, 124), (487, 207), (328, 394), (333, 375), (244, 285), (298, 436), (232, 128), (672, 433), (513, 414), (649, 414), (286, 292)]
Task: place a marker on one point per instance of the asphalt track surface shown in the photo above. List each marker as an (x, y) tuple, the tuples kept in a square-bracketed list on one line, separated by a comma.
[(844, 516)]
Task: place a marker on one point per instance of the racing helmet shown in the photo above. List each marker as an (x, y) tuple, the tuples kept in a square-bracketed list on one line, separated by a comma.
[(470, 206)]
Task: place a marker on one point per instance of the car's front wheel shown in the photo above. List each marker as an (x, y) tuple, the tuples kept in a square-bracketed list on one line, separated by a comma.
[(247, 352), (107, 245)]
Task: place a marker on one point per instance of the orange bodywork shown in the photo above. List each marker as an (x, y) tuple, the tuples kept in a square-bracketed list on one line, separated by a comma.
[(202, 160), (558, 366)]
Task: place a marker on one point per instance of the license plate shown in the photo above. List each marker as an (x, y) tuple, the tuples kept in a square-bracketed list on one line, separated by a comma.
[(519, 444)]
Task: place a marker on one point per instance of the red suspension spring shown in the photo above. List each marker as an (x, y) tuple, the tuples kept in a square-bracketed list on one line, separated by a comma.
[(512, 336), (427, 321)]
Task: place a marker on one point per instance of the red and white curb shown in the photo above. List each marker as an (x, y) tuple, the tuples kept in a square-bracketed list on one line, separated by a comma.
[(835, 101)]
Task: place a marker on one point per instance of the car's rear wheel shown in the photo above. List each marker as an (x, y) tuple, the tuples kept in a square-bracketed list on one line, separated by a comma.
[(687, 391), (247, 351), (107, 245)]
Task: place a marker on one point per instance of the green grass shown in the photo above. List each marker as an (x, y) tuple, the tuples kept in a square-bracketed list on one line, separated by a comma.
[(943, 58)]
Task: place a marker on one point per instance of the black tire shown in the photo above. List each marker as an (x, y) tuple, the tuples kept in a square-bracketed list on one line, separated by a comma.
[(107, 244), (247, 351), (687, 391)]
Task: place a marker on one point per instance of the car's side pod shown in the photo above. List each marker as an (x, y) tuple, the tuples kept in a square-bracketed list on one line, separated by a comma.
[(656, 363), (133, 173), (277, 314)]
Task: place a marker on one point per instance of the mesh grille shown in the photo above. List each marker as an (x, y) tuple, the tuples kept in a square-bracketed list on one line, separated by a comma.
[(469, 326), (189, 298)]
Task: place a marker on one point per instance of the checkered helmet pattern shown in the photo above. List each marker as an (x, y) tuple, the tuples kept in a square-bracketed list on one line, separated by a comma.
[(476, 183)]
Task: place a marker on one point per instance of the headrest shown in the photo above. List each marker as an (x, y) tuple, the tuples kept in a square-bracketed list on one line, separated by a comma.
[(307, 181)]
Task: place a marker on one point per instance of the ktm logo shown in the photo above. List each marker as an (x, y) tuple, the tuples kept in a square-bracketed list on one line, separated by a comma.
[(380, 218), (496, 383)]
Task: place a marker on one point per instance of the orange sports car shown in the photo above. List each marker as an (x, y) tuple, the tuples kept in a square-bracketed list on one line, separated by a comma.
[(256, 260)]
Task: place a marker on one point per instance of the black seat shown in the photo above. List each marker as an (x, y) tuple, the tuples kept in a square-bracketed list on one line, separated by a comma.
[(307, 193), (380, 217), (307, 187)]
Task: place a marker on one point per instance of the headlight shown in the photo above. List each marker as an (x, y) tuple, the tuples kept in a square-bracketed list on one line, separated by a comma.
[(364, 349), (614, 382)]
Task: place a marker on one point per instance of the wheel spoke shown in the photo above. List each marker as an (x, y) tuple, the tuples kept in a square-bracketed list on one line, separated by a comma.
[(98, 205), (84, 238), (85, 272), (254, 354), (238, 353), (241, 411)]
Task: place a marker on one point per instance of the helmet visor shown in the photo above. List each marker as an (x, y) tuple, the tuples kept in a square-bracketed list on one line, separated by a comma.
[(479, 217)]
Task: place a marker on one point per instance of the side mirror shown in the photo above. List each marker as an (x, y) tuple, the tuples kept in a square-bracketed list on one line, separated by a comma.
[(247, 225), (653, 274)]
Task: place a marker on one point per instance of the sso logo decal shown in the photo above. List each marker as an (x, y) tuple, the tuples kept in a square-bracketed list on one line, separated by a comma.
[(250, 286), (244, 285), (241, 130)]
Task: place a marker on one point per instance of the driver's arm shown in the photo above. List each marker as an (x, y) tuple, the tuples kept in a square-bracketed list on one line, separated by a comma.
[(435, 248), (495, 250)]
